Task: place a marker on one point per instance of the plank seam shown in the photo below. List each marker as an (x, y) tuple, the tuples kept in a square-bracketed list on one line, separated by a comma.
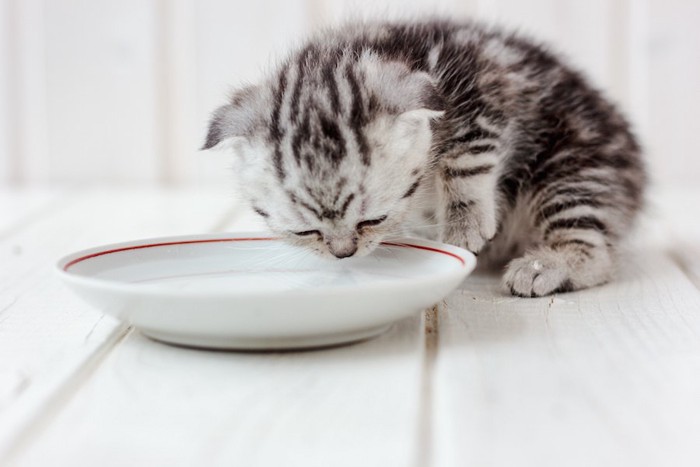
[(430, 347), (50, 408), (61, 397)]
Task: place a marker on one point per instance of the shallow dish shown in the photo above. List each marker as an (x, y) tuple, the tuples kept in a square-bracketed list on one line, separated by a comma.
[(251, 291)]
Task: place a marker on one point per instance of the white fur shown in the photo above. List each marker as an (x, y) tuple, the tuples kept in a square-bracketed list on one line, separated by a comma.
[(400, 146)]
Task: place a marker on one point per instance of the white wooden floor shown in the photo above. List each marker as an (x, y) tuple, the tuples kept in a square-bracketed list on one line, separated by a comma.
[(604, 377)]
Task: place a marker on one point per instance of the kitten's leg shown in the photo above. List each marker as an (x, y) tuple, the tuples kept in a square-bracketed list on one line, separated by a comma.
[(469, 179), (470, 209), (576, 237)]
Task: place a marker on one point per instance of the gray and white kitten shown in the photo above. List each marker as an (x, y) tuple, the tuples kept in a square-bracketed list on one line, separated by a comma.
[(477, 137)]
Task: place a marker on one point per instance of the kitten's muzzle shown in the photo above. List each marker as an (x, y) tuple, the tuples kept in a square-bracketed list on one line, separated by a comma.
[(343, 247)]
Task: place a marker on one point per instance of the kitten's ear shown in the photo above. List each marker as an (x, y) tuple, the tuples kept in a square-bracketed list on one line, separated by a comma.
[(238, 119), (401, 90)]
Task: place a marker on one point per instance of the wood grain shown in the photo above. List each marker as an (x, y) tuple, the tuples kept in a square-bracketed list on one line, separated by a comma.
[(607, 376), (28, 153), (346, 406), (121, 91), (100, 83), (7, 164), (674, 97), (47, 335)]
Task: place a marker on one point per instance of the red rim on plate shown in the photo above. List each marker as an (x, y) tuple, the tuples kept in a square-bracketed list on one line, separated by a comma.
[(243, 239)]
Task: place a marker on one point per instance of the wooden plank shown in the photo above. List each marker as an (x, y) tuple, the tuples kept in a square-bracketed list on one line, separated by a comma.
[(607, 376), (7, 161), (29, 151), (341, 11), (346, 406), (639, 45), (236, 43), (48, 337), (674, 117), (18, 207), (179, 138), (101, 91)]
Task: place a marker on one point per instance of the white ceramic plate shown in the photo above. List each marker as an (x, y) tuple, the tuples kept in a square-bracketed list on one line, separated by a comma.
[(249, 291)]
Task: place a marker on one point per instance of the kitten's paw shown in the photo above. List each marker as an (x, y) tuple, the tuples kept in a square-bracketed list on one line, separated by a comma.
[(536, 276), (488, 224), (472, 228), (467, 235)]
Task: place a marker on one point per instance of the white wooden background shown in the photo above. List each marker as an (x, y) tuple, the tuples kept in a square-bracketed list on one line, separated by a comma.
[(606, 377), (118, 92)]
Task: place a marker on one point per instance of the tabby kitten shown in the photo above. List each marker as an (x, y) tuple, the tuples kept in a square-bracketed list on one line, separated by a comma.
[(455, 131)]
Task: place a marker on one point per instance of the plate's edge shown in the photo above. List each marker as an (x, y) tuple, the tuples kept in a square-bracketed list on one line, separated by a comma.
[(61, 263), (468, 259), (235, 343)]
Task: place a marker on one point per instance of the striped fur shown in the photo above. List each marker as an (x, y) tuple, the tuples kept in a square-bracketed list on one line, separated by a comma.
[(509, 151)]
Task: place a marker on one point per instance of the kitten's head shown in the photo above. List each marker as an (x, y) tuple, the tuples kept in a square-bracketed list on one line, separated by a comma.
[(331, 150)]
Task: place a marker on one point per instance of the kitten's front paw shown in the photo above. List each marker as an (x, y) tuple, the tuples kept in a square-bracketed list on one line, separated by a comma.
[(470, 226), (533, 276)]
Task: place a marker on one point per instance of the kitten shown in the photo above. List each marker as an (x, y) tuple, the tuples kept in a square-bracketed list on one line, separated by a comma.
[(477, 137)]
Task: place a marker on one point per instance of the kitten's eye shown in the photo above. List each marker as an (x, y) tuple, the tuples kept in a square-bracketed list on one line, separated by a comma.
[(306, 233), (371, 223)]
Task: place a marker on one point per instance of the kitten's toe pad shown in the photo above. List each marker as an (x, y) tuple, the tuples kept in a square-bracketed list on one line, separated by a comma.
[(531, 276)]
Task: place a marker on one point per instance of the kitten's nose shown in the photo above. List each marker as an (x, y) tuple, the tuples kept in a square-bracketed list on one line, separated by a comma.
[(342, 247), (344, 254)]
